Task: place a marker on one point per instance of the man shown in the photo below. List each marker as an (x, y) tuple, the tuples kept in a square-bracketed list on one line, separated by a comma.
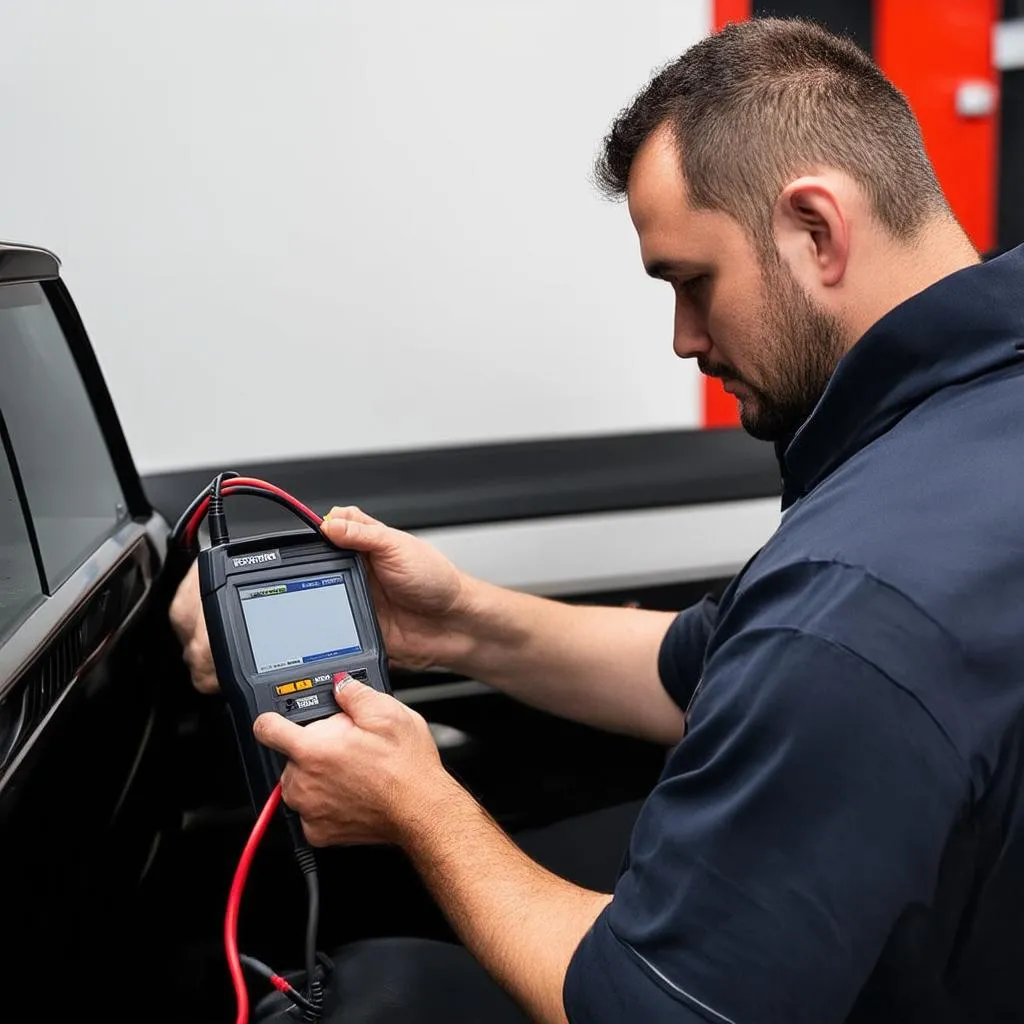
[(840, 834)]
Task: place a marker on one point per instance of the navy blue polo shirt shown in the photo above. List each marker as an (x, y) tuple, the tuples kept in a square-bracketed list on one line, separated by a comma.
[(840, 835)]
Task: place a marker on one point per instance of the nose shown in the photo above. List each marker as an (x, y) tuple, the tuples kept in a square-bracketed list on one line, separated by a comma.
[(690, 336)]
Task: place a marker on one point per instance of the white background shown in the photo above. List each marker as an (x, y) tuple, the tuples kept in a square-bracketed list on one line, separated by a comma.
[(356, 226)]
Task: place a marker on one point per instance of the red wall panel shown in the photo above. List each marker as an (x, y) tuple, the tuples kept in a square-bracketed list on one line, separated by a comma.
[(928, 50), (731, 10), (717, 408)]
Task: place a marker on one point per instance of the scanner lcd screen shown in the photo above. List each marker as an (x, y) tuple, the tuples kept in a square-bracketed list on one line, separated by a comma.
[(299, 622)]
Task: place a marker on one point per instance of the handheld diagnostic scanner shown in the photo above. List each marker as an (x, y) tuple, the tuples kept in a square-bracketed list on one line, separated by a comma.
[(287, 614)]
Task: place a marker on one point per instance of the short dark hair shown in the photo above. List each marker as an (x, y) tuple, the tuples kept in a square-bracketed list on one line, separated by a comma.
[(766, 100)]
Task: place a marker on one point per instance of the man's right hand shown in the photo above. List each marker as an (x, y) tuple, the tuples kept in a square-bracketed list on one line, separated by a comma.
[(416, 592)]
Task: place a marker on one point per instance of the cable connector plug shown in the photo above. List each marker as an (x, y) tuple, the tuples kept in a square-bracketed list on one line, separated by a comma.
[(215, 514)]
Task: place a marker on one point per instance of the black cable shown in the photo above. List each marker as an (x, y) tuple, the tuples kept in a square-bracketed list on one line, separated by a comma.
[(314, 989), (314, 992), (258, 966), (186, 516), (269, 974), (251, 490)]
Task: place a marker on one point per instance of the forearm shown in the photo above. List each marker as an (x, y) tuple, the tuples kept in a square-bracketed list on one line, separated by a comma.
[(519, 920), (593, 665)]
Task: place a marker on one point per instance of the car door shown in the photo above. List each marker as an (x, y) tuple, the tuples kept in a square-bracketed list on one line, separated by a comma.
[(81, 725)]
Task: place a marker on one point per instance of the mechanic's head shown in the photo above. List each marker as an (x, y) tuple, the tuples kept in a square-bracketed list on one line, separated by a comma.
[(779, 182)]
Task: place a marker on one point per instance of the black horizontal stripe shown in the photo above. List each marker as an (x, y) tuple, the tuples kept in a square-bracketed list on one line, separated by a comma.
[(494, 482)]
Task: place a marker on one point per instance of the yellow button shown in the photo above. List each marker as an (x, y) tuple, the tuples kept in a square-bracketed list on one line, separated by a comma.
[(304, 684), (285, 688)]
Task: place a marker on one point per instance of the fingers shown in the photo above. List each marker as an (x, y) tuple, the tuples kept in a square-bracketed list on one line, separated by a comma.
[(354, 513), (199, 659), (355, 533), (359, 701), (185, 606), (275, 731), (189, 626)]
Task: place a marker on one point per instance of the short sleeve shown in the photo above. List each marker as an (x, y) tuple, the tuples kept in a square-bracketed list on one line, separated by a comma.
[(681, 658), (807, 808)]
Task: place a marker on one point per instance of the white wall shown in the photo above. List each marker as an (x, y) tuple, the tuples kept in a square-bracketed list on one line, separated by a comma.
[(369, 221)]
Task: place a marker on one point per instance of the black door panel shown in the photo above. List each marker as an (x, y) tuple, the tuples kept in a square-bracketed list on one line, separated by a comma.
[(65, 636), (82, 787)]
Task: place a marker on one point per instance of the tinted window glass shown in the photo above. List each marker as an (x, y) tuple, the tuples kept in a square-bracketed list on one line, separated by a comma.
[(73, 493), (20, 587)]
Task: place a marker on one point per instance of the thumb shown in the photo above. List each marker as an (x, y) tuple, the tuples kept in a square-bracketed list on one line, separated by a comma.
[(275, 731), (358, 700), (360, 536)]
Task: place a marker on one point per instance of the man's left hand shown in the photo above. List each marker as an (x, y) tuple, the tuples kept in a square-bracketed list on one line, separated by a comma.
[(361, 775)]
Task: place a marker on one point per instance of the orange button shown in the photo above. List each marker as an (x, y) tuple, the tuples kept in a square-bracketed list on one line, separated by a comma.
[(304, 684), (285, 688)]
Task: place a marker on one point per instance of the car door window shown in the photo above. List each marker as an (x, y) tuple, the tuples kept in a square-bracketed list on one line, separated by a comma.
[(74, 496), (20, 586)]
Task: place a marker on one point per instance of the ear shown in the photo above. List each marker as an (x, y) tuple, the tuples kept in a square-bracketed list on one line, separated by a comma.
[(811, 232)]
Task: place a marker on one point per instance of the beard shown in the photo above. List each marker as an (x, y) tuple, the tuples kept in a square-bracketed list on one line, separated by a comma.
[(793, 360)]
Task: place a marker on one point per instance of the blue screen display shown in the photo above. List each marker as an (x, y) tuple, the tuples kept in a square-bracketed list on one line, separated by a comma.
[(299, 622)]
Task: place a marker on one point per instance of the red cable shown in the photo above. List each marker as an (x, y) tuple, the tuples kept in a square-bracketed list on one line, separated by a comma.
[(235, 900), (248, 481), (227, 487)]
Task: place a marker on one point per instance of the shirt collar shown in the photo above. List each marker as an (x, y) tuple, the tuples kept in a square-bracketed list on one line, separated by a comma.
[(964, 326)]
